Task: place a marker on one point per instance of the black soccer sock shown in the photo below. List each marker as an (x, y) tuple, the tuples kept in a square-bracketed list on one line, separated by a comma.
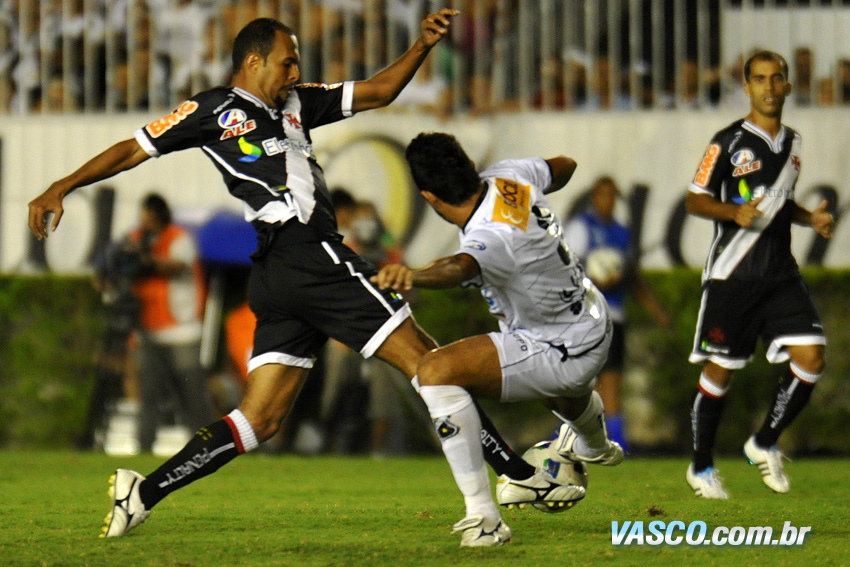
[(498, 454), (208, 450), (705, 419), (792, 394)]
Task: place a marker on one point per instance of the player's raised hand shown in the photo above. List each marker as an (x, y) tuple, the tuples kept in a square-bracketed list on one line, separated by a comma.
[(396, 276), (822, 221), (747, 212), (42, 208), (435, 26)]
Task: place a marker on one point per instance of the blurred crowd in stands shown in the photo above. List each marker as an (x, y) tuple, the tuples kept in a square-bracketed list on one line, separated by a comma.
[(139, 55)]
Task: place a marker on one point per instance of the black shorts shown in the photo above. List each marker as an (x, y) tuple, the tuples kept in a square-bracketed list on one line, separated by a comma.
[(735, 313), (306, 287)]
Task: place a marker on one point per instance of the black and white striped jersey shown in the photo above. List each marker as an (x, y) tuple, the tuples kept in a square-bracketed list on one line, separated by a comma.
[(743, 162), (264, 154)]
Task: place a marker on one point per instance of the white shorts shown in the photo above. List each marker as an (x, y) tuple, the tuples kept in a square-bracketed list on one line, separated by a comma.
[(533, 369)]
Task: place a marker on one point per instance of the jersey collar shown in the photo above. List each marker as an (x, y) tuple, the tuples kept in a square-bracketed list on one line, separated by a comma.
[(775, 144), (256, 101)]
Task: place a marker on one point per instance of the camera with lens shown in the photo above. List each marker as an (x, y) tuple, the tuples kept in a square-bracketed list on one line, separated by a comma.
[(123, 263)]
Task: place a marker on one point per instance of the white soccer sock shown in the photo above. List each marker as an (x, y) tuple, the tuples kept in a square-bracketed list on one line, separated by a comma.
[(459, 429), (592, 437)]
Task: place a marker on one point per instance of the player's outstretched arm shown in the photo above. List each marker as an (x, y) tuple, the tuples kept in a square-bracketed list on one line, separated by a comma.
[(444, 273), (562, 168), (120, 157), (381, 89)]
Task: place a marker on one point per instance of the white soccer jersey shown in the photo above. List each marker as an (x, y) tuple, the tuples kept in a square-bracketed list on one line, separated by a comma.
[(529, 278)]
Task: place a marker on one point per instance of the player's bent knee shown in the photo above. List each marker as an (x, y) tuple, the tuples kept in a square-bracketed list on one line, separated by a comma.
[(810, 358), (435, 369), (404, 348), (264, 424), (718, 375), (814, 365)]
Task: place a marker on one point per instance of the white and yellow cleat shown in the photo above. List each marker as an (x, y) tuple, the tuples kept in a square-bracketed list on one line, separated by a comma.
[(127, 508), (542, 491), (479, 531)]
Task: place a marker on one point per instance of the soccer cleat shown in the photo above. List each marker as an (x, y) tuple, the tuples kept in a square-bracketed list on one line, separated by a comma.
[(479, 531), (706, 484), (769, 462), (541, 489), (562, 450), (127, 508)]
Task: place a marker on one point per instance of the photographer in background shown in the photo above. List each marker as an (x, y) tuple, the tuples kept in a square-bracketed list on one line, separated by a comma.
[(170, 289), (117, 266)]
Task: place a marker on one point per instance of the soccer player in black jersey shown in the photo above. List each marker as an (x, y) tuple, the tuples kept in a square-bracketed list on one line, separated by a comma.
[(751, 283), (305, 284)]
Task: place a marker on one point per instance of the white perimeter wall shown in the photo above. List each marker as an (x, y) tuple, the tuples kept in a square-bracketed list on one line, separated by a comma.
[(658, 149)]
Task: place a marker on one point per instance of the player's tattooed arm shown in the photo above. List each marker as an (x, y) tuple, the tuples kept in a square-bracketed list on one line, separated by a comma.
[(443, 273), (120, 157)]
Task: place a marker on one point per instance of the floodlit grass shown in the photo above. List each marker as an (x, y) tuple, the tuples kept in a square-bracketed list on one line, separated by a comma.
[(333, 511)]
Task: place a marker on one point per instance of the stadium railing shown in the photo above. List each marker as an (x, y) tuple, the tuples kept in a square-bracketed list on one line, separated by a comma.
[(139, 55)]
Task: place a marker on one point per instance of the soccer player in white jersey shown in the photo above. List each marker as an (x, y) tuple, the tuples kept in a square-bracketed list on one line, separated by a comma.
[(555, 328)]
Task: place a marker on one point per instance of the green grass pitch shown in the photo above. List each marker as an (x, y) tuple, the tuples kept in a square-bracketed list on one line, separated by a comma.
[(263, 510)]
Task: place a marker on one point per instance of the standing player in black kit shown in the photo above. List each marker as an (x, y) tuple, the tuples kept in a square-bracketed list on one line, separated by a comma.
[(751, 283), (305, 284)]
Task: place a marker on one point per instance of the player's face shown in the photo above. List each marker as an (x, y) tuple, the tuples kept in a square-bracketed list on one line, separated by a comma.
[(767, 88), (280, 71)]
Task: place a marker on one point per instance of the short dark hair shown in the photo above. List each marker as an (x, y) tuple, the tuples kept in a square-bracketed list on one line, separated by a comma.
[(258, 36), (156, 204), (439, 165), (765, 55)]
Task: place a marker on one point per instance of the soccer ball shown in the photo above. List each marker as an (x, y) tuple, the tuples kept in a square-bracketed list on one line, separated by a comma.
[(565, 473), (605, 265)]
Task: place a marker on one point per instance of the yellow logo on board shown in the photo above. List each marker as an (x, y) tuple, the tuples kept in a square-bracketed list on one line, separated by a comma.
[(512, 205)]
